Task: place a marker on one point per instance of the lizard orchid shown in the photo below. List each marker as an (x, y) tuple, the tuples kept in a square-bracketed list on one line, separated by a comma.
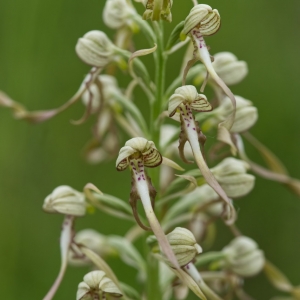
[(184, 100), (204, 21), (137, 154)]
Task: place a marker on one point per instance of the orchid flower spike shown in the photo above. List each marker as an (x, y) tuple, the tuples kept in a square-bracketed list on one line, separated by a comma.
[(204, 21), (185, 99), (139, 153)]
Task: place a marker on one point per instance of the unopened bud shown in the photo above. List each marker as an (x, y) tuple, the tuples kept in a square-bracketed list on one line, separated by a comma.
[(184, 245), (65, 200), (229, 68), (245, 117), (95, 49), (117, 14), (231, 174), (243, 257), (95, 284), (108, 85), (94, 241)]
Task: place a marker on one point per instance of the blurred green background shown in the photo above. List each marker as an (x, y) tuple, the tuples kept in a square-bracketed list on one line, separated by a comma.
[(39, 68)]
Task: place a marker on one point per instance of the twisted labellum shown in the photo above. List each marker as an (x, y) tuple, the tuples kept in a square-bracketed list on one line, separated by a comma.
[(204, 21), (185, 99), (139, 153)]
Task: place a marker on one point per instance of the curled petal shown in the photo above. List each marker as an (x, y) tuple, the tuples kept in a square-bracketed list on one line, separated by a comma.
[(174, 102), (122, 160), (204, 17), (152, 158), (201, 104)]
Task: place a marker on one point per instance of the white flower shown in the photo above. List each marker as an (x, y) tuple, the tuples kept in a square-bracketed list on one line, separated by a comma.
[(98, 283), (117, 13), (65, 200), (243, 257)]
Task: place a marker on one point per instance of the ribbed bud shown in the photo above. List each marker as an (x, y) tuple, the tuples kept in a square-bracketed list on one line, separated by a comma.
[(184, 245), (94, 241), (96, 283), (203, 195), (164, 13), (229, 68), (245, 117), (65, 200), (188, 94), (243, 257), (204, 17), (117, 13), (108, 84), (138, 148), (95, 49), (231, 174)]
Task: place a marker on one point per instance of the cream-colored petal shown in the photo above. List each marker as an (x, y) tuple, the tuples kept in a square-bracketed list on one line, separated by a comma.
[(174, 102), (152, 158), (204, 16), (122, 160)]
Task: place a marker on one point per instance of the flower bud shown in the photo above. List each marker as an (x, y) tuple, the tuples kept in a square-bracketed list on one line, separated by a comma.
[(94, 241), (243, 257), (229, 68), (65, 200), (231, 174), (117, 13), (96, 283), (164, 13), (95, 49), (184, 245), (204, 17), (245, 117), (108, 84)]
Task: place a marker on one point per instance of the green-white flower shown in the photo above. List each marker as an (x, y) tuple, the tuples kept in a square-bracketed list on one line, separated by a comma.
[(139, 153), (93, 240), (184, 245), (185, 99), (229, 68), (96, 283), (202, 21), (118, 14), (245, 117), (243, 257), (108, 84), (65, 200), (95, 49), (232, 176)]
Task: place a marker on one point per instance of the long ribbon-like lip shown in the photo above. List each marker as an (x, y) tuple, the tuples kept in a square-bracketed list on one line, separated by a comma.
[(65, 242)]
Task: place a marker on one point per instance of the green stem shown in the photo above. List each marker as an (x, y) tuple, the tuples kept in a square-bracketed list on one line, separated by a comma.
[(153, 289), (160, 64)]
